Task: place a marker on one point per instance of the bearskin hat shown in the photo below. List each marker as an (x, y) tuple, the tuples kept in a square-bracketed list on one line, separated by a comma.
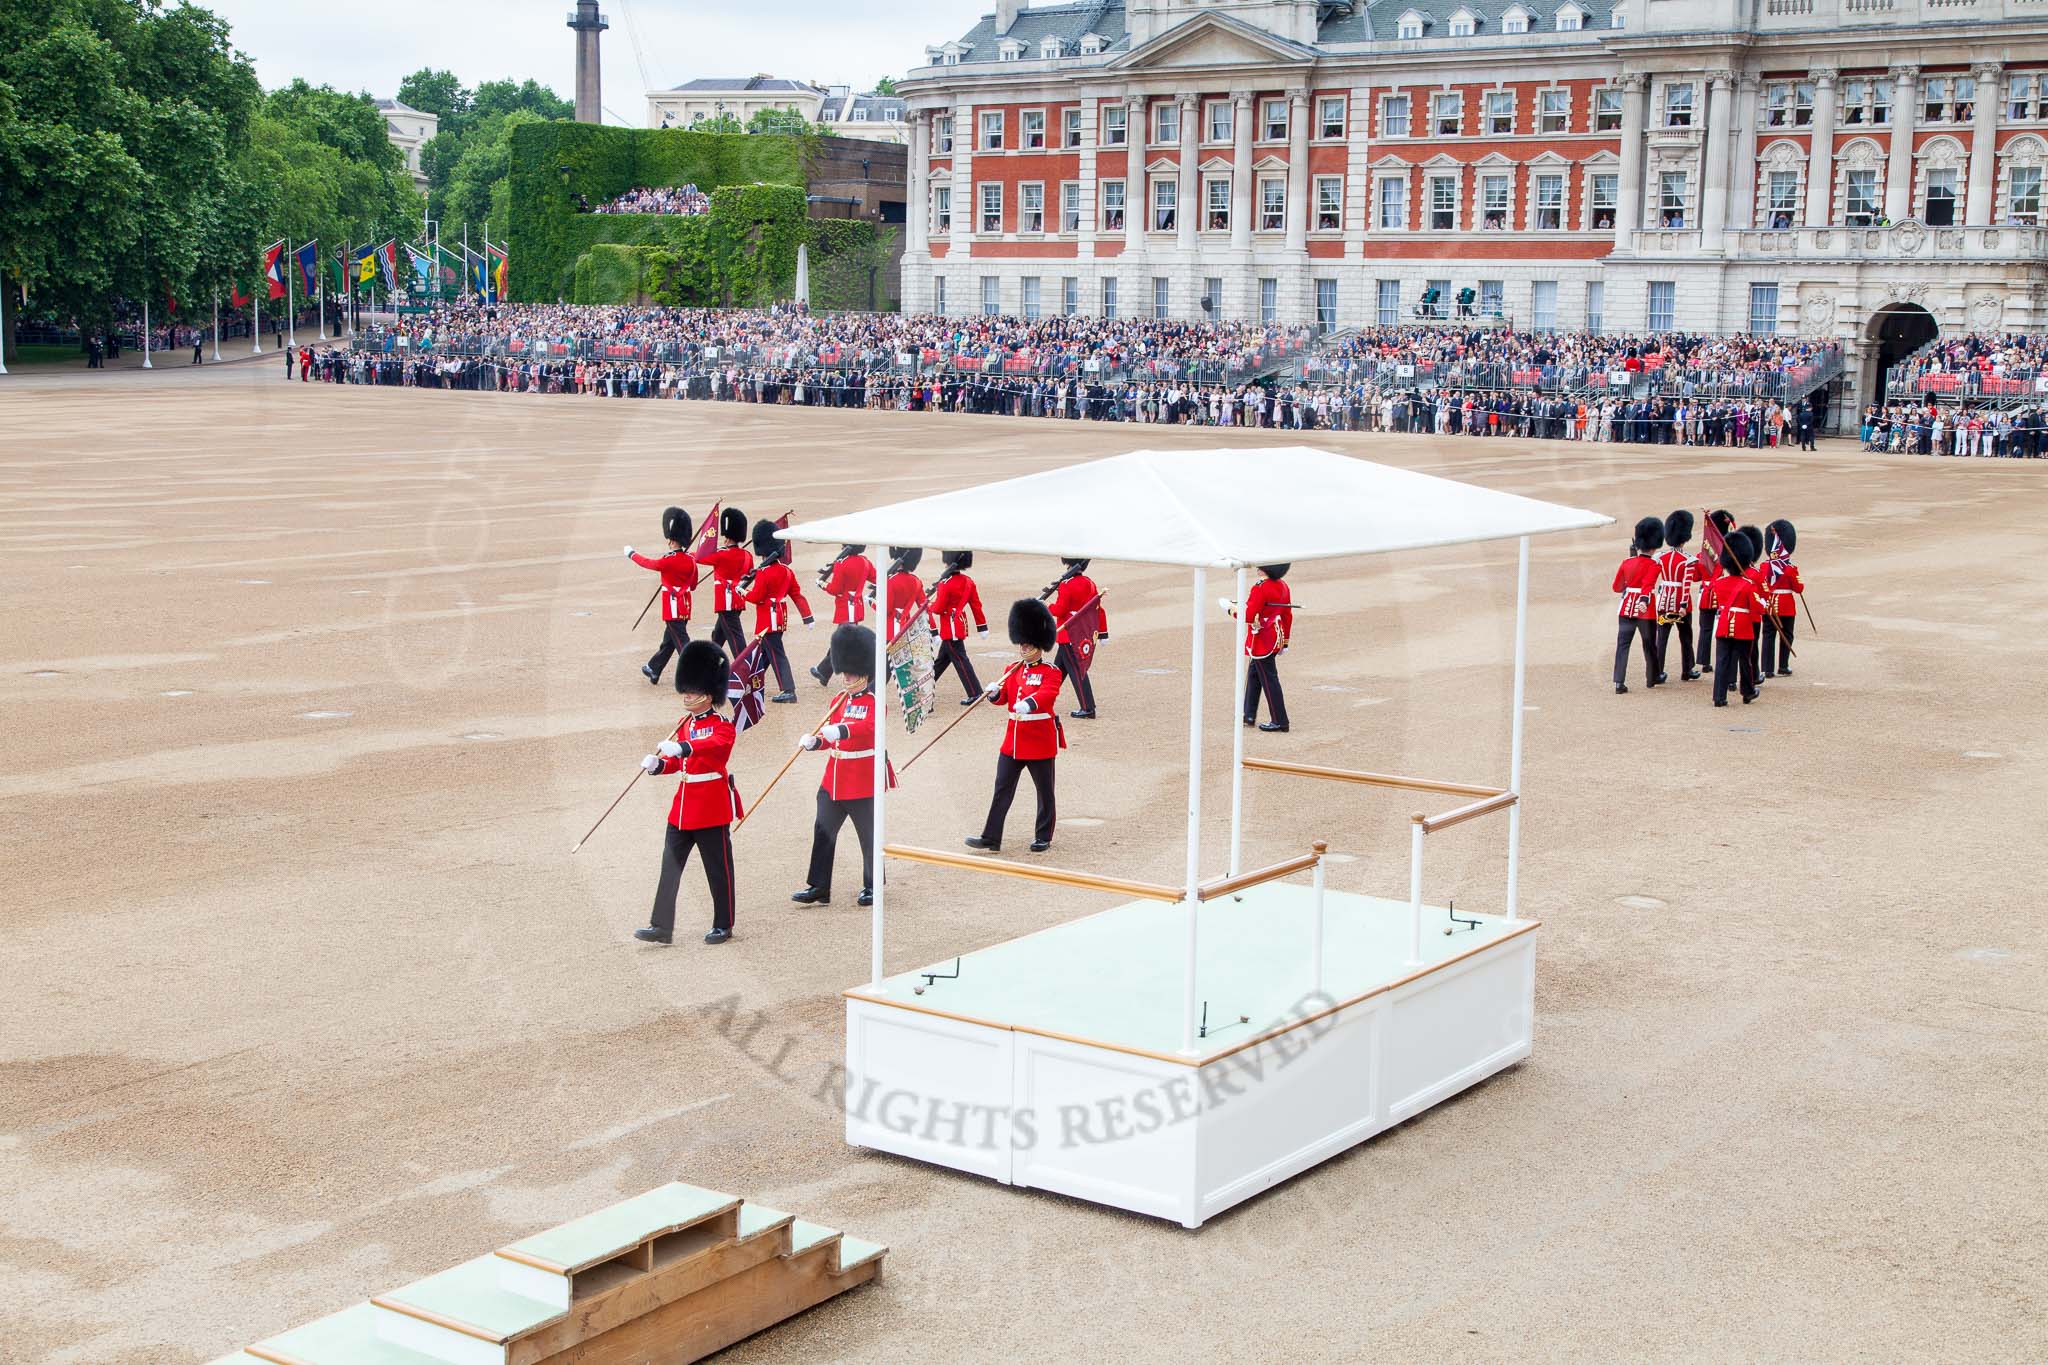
[(853, 651), (958, 559), (1730, 557), (1077, 565), (845, 550), (1748, 543), (1649, 535), (701, 668), (905, 557), (766, 547), (1678, 528), (1031, 624), (732, 524), (1724, 520), (1275, 570), (1783, 536), (675, 525)]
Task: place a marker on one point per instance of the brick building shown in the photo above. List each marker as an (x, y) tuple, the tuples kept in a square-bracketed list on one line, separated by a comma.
[(1868, 169)]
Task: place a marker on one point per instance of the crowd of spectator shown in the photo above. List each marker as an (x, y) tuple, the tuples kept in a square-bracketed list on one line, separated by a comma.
[(1928, 429), (1974, 366), (679, 200)]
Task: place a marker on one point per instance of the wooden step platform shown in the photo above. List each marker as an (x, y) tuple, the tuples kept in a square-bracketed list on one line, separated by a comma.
[(668, 1276)]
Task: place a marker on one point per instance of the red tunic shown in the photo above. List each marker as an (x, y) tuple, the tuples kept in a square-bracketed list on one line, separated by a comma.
[(678, 577), (1074, 594), (1636, 581), (1038, 734), (847, 586), (850, 762), (952, 600), (727, 567), (1677, 572), (706, 796), (1736, 607), (775, 587), (1783, 601), (1269, 620), (906, 595)]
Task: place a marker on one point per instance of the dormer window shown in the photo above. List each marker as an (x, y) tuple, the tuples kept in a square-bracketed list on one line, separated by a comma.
[(1049, 49), (1618, 19), (1570, 19), (1463, 23), (948, 55), (1010, 50), (1410, 24), (1516, 20), (1091, 44)]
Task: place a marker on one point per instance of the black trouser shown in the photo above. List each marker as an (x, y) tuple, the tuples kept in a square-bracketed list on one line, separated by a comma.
[(832, 814), (1777, 649), (953, 654), (714, 848), (729, 635), (1731, 656), (1068, 661), (674, 635), (1635, 628), (1685, 654), (785, 681), (1264, 676), (1007, 771)]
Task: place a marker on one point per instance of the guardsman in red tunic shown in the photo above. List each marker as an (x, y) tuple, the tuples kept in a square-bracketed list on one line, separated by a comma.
[(1030, 691), (1735, 611), (906, 589), (1636, 581), (847, 789), (954, 597), (846, 580), (1782, 585), (1678, 577), (1268, 626), (729, 563), (678, 577), (774, 588), (706, 802), (1755, 571), (1075, 595), (1709, 569)]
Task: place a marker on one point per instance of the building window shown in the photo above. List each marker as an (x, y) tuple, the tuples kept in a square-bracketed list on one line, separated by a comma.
[(944, 129), (1607, 111), (1492, 298), (1493, 202), (1945, 99), (1543, 305), (1049, 49), (1165, 203), (1273, 121), (939, 294), (1115, 125), (1330, 117), (1091, 44), (1553, 111), (1443, 203), (1070, 207), (1112, 206), (1570, 20), (1781, 204), (1618, 18), (992, 131), (1166, 123), (991, 296), (1515, 21), (1010, 51), (1109, 296), (1394, 116), (1070, 128), (1671, 205), (1031, 208), (992, 208), (1941, 198), (1212, 296), (1269, 301), (942, 208), (1606, 193), (1446, 113), (1329, 203), (2020, 93), (1678, 105), (860, 116), (1392, 215), (1387, 303), (1216, 204), (1220, 116), (1663, 304), (1031, 307), (1549, 203), (1070, 296), (1272, 204), (1500, 113), (1409, 27), (2023, 196), (1162, 298), (1596, 303), (1032, 122), (1326, 305), (1778, 106), (1436, 298), (1763, 309), (1859, 196), (1461, 25)]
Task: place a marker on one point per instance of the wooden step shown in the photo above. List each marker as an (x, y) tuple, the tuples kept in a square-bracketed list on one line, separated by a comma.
[(345, 1338)]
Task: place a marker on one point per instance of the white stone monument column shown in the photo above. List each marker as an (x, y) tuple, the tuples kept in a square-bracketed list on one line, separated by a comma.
[(1714, 187), (917, 236), (1241, 207), (1983, 145), (1297, 173), (1137, 186), (1898, 170), (1628, 208), (1187, 215), (1820, 162), (1742, 190)]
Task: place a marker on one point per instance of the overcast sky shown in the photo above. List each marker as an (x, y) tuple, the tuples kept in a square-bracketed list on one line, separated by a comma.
[(371, 44)]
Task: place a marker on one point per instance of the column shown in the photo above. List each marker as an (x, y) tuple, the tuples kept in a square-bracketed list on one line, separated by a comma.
[(918, 236), (964, 207), (1188, 216), (1714, 172), (1137, 189), (1983, 145), (1742, 195), (1628, 208), (1090, 176), (1297, 173), (1898, 170), (1820, 163), (1241, 208)]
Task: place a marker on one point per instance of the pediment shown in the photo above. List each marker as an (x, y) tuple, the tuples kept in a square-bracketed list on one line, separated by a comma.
[(1216, 163), (1270, 162), (1213, 40), (1163, 165)]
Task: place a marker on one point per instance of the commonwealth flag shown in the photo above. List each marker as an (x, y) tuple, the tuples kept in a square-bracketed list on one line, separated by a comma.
[(308, 258), (365, 263), (273, 268)]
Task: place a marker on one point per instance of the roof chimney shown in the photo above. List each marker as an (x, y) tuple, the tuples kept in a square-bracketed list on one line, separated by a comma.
[(1006, 15)]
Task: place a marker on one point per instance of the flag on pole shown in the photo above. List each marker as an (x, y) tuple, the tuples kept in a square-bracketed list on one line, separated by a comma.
[(365, 264), (387, 263), (236, 298), (273, 268), (499, 271), (707, 539), (747, 686), (479, 279), (1082, 628), (422, 268), (910, 673), (451, 267), (308, 257)]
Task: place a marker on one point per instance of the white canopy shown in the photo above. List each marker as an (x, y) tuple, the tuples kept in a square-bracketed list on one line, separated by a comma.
[(1207, 509)]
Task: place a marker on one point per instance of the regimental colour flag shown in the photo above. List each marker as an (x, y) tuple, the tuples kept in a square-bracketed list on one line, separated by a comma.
[(308, 257), (747, 686), (273, 268)]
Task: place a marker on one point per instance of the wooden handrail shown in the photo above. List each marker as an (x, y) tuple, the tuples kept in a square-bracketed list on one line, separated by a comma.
[(1432, 823), (1224, 886), (1086, 881), (1420, 784)]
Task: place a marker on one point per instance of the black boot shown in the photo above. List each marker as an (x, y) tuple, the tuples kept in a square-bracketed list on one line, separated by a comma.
[(652, 935), (647, 672), (718, 936), (991, 845), (811, 895)]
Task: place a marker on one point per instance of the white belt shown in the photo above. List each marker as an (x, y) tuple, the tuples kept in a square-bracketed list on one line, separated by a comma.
[(1035, 715), (851, 753), (703, 777)]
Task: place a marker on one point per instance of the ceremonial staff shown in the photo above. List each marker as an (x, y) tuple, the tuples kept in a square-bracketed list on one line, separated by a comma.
[(657, 587), (755, 804), (747, 579), (1718, 542), (638, 773), (964, 714)]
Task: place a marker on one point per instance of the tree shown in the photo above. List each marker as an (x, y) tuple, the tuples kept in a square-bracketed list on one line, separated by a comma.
[(438, 93), (785, 120), (480, 189), (886, 86), (320, 166), (469, 117)]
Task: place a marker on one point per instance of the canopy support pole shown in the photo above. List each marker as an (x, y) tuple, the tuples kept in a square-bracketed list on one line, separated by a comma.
[(1242, 667), (1189, 992), (1415, 833), (880, 682), (1515, 729)]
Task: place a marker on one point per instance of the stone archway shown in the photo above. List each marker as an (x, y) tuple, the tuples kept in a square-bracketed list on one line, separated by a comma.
[(1894, 332)]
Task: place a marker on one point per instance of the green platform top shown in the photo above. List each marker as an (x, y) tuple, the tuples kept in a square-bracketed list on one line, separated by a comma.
[(756, 1219), (803, 1236), (471, 1293), (853, 1251), (598, 1236), (345, 1338), (1115, 978)]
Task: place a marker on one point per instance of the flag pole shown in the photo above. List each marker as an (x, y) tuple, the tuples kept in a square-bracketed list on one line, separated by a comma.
[(216, 326), (291, 314), (320, 289), (256, 326), (145, 334), (3, 324)]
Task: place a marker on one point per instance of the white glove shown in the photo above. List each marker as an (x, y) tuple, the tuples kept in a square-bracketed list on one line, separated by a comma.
[(650, 764), (981, 630), (1023, 708), (668, 748), (629, 552), (994, 690), (811, 742)]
